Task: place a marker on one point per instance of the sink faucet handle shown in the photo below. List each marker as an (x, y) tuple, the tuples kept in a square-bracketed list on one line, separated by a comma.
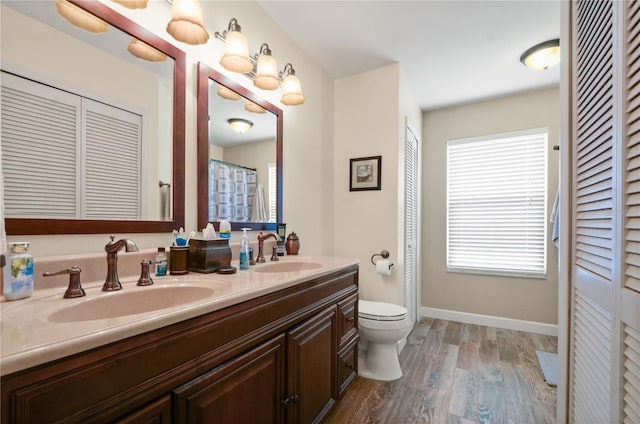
[(145, 276), (274, 253), (75, 288)]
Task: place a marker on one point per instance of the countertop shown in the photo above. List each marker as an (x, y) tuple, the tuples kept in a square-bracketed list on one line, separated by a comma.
[(29, 336)]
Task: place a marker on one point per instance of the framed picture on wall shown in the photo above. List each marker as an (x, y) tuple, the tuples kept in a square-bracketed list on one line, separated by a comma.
[(365, 173)]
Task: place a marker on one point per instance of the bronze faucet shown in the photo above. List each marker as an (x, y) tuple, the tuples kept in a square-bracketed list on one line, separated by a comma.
[(113, 282), (261, 239)]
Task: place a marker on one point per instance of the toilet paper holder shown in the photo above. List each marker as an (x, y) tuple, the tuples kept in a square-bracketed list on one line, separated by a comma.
[(384, 255)]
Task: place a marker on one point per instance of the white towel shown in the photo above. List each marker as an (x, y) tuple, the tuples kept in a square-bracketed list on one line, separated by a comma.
[(258, 212), (555, 218)]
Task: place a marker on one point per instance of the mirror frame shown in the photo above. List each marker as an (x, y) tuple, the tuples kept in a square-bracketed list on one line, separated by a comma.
[(33, 226), (205, 73)]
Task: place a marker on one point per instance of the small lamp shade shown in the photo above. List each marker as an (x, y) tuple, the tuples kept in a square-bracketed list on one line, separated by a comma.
[(236, 53), (228, 94), (240, 125), (144, 51), (80, 17), (266, 73), (253, 107), (132, 4), (292, 91), (542, 56), (186, 22)]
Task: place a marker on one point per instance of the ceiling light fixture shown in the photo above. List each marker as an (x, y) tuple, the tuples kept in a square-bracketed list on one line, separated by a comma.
[(132, 4), (542, 56), (144, 51), (263, 69), (80, 17), (186, 22), (240, 125)]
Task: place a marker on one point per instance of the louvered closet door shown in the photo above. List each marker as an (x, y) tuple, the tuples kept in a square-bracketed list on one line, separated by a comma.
[(593, 336), (630, 296), (411, 227)]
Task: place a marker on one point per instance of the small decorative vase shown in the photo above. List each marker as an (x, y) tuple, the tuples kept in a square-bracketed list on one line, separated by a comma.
[(293, 244)]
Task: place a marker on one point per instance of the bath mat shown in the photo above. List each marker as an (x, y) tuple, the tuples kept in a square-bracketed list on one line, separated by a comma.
[(549, 364)]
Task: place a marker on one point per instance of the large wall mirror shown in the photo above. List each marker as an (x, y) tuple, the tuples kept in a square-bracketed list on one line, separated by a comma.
[(239, 155), (93, 140)]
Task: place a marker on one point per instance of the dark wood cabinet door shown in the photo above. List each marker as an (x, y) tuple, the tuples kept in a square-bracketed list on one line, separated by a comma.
[(347, 365), (311, 368), (245, 389), (157, 412), (347, 319)]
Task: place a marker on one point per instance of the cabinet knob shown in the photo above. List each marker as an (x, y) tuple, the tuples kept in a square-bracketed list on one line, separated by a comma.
[(291, 399), (349, 365), (351, 320)]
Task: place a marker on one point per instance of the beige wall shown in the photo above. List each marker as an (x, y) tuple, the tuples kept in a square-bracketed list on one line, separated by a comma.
[(307, 135), (371, 122), (516, 298)]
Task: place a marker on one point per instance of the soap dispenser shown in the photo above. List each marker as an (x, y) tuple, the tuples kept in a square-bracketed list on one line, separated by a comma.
[(244, 250)]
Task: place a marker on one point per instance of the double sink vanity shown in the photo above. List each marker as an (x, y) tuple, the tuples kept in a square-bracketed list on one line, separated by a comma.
[(277, 343)]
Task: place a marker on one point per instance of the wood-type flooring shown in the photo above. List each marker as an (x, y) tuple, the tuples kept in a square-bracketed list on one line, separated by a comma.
[(455, 373)]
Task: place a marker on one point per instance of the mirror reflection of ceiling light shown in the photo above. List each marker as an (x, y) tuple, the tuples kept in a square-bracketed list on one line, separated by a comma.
[(263, 67), (132, 4), (227, 93), (253, 107), (80, 17), (144, 51), (240, 125), (186, 22), (542, 56)]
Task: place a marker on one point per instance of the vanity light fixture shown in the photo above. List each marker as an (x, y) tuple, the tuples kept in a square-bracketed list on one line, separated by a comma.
[(132, 4), (144, 51), (236, 49), (240, 125), (228, 94), (263, 69), (254, 107), (542, 56), (80, 17), (186, 22)]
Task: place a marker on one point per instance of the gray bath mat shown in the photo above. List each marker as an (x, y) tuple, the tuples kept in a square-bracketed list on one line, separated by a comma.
[(549, 364)]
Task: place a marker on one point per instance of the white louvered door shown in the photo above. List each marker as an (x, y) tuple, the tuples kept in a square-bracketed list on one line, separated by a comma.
[(604, 363), (411, 227)]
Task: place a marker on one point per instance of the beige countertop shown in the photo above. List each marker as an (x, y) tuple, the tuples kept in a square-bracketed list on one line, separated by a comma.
[(31, 336)]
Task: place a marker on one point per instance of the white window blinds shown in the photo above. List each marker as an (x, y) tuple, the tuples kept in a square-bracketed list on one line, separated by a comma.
[(272, 192), (496, 204)]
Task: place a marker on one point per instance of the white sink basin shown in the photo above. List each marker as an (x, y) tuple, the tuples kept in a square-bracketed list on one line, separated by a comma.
[(122, 303), (288, 267)]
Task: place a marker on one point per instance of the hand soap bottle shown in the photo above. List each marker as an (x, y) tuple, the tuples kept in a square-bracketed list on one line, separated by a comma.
[(244, 250)]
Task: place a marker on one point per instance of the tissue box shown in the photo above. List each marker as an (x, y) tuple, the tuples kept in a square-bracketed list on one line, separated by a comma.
[(207, 256)]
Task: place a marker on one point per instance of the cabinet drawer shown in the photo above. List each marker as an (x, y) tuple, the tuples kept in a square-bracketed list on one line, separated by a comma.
[(347, 365), (347, 319)]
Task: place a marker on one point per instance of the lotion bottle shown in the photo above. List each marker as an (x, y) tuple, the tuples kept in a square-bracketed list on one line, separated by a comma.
[(244, 251)]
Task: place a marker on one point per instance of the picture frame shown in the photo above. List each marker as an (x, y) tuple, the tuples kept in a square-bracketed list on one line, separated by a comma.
[(365, 173)]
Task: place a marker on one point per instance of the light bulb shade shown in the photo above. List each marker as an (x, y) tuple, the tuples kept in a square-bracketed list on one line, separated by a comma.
[(186, 22), (132, 4), (542, 56), (266, 73), (236, 53), (240, 125), (253, 107), (227, 93), (292, 91), (80, 17), (144, 51)]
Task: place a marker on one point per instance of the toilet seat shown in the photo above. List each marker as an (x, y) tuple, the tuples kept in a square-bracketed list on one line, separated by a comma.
[(381, 311)]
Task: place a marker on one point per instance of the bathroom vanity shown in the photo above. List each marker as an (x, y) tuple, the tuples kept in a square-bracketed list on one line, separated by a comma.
[(276, 344)]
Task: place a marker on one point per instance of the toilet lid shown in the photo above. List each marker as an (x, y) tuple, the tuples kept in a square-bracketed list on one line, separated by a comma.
[(381, 311)]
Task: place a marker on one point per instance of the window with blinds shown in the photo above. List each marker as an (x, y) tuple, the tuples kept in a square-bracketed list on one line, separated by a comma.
[(496, 204), (88, 154), (272, 193)]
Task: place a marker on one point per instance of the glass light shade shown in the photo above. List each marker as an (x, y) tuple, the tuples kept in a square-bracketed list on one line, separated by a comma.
[(253, 107), (266, 73), (80, 17), (132, 4), (240, 125), (542, 56), (292, 91), (144, 51), (236, 53), (228, 94), (186, 22)]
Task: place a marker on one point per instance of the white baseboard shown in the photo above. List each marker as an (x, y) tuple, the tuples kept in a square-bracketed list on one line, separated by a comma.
[(490, 321)]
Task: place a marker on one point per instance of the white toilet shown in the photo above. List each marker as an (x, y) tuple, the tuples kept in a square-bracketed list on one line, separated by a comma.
[(381, 326)]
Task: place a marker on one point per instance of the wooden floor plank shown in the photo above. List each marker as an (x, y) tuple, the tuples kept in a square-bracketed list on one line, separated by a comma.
[(490, 376)]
